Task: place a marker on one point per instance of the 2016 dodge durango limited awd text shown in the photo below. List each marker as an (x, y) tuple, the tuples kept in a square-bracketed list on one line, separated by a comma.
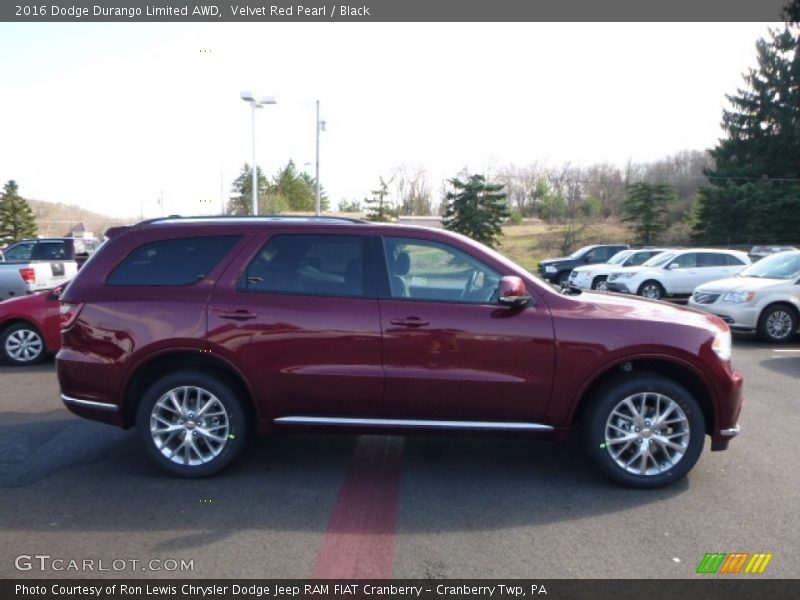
[(201, 331)]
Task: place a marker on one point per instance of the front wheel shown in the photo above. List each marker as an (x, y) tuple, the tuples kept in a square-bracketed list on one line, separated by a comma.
[(22, 344), (652, 290), (644, 431), (191, 424), (777, 324), (600, 284)]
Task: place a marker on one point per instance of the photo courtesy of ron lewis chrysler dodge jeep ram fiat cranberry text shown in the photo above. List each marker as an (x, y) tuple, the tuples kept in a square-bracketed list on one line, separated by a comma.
[(202, 331)]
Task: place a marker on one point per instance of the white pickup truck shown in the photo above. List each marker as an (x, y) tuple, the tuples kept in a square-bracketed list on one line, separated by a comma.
[(30, 266)]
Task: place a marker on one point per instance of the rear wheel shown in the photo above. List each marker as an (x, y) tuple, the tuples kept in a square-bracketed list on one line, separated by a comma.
[(644, 431), (652, 290), (191, 424), (777, 324), (22, 344)]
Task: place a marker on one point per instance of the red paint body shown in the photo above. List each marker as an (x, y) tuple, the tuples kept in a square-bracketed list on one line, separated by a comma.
[(375, 357), (40, 310)]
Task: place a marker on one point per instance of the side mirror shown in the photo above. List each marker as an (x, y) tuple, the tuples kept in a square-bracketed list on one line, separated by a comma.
[(673, 266), (512, 292)]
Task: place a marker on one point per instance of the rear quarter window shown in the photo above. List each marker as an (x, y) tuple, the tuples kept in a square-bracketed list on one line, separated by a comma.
[(180, 261)]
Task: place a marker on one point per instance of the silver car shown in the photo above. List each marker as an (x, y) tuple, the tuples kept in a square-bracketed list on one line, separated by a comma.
[(764, 297)]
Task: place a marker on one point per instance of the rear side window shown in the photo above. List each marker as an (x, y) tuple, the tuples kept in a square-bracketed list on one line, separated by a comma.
[(733, 260), (316, 265), (50, 251), (180, 261)]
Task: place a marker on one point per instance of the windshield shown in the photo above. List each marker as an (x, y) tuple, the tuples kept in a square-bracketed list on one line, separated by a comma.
[(785, 265), (619, 257), (580, 251), (658, 259)]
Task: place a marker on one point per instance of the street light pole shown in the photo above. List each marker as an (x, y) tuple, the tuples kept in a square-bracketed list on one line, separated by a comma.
[(254, 104), (320, 127)]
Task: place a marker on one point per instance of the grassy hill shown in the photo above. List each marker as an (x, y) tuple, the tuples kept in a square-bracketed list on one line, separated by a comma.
[(56, 219)]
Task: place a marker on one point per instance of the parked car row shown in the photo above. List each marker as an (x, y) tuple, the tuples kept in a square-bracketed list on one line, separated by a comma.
[(676, 273), (763, 297)]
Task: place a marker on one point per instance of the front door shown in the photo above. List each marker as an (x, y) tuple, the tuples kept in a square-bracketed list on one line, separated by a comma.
[(450, 351)]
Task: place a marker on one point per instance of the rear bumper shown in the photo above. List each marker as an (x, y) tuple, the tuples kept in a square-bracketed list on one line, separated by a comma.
[(92, 409)]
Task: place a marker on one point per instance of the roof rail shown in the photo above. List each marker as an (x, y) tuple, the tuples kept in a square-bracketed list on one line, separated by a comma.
[(320, 218)]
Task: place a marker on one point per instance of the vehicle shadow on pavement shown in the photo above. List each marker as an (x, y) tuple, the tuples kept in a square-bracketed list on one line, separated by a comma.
[(60, 471)]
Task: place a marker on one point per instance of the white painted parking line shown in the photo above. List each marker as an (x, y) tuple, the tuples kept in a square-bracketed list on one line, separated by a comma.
[(797, 351)]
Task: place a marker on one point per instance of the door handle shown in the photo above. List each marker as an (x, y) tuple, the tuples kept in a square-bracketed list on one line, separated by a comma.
[(409, 322), (237, 315)]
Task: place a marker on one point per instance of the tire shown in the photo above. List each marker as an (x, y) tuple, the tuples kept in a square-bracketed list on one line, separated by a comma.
[(22, 344), (651, 289), (562, 278), (600, 284), (777, 324), (168, 414), (642, 459)]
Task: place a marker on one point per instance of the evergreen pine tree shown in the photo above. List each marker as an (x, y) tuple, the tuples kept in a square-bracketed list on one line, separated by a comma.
[(378, 207), (476, 209), (754, 190), (646, 205), (16, 216)]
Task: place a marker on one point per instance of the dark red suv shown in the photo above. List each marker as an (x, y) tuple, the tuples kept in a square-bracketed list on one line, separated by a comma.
[(200, 331)]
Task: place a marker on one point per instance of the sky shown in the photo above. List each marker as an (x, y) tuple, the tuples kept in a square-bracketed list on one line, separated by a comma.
[(114, 117)]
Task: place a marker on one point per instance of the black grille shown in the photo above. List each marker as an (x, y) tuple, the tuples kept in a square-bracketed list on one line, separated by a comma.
[(705, 298)]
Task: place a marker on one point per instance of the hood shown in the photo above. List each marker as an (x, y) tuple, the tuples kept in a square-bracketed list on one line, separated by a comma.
[(550, 261), (636, 307), (745, 284)]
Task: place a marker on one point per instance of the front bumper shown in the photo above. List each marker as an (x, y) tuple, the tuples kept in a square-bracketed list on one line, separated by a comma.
[(727, 421), (619, 286), (580, 280), (742, 316)]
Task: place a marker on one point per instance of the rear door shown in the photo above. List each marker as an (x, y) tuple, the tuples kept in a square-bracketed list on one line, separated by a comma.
[(298, 314), (450, 351)]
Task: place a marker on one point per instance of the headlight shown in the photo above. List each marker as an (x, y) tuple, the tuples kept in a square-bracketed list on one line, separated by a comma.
[(738, 297), (722, 345), (625, 275), (550, 269)]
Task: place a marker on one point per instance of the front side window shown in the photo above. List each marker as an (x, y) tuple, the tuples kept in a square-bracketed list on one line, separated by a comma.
[(22, 251), (316, 265), (425, 270), (180, 261), (685, 261)]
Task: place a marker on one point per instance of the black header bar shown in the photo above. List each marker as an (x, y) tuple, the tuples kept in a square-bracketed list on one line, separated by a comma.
[(365, 11)]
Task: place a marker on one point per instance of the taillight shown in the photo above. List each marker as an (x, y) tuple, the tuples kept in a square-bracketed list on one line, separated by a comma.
[(28, 275), (69, 311)]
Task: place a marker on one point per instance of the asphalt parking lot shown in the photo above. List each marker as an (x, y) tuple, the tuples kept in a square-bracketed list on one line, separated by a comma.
[(374, 506)]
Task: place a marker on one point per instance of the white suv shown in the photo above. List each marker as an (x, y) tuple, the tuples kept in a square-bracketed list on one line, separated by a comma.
[(677, 272), (594, 276), (764, 298)]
